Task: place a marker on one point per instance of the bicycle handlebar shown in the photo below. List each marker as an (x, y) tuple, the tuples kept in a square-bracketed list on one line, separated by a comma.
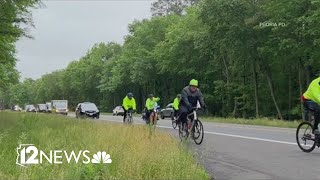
[(196, 108)]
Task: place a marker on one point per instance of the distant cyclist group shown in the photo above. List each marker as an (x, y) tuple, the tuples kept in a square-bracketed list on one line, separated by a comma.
[(183, 104)]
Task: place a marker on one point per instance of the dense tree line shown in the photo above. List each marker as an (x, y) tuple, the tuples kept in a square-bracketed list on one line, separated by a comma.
[(252, 59), (15, 18)]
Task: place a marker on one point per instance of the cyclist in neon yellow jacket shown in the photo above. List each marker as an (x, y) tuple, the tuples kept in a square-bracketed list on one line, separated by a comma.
[(150, 108), (128, 103), (176, 103), (311, 101)]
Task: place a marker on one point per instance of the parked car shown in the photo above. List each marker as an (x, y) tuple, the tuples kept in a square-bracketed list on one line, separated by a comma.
[(167, 112), (42, 107), (49, 107), (87, 109), (118, 111), (16, 108), (60, 106), (30, 108)]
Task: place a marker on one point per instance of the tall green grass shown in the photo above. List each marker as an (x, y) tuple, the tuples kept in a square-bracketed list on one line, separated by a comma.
[(258, 122), (135, 153)]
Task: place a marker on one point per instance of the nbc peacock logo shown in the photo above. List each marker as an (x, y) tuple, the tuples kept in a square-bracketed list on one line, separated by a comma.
[(101, 157)]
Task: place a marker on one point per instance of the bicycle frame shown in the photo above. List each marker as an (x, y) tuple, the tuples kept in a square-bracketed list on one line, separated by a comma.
[(195, 117), (129, 115), (196, 126)]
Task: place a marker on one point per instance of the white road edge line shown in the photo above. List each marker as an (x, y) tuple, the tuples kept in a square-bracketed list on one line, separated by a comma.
[(231, 135), (251, 138), (243, 137)]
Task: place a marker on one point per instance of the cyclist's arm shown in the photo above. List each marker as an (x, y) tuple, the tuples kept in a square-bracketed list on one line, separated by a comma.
[(184, 98), (125, 104), (134, 107), (148, 104), (201, 99), (176, 104)]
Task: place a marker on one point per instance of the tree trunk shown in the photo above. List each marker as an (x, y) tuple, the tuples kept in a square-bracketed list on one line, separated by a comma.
[(289, 94), (273, 96), (301, 89), (235, 108), (266, 70), (154, 87), (114, 100), (256, 89), (226, 73), (308, 74)]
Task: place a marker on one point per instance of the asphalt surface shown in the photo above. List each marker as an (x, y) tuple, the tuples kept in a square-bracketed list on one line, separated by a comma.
[(247, 152)]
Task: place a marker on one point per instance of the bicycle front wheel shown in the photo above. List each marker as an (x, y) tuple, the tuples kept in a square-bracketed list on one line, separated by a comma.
[(306, 140), (183, 132), (198, 133), (174, 123)]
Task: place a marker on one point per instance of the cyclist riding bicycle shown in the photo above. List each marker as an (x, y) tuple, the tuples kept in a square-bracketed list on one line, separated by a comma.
[(128, 103), (311, 101), (189, 97), (150, 107), (176, 102)]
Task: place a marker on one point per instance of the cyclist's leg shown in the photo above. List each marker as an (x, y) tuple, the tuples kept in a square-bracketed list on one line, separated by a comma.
[(183, 115), (176, 112), (155, 118), (147, 116), (315, 108), (124, 115), (151, 118)]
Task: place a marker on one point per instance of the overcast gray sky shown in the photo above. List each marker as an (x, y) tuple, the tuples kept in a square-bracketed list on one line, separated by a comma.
[(65, 30)]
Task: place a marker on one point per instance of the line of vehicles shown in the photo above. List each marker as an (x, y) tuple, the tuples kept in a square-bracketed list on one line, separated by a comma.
[(84, 109), (55, 106)]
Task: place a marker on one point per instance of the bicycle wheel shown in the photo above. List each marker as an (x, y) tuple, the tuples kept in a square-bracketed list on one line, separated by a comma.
[(183, 135), (305, 138), (127, 119), (198, 133), (130, 119), (174, 123)]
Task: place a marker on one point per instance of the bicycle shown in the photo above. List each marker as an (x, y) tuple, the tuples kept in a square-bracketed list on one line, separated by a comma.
[(154, 118), (129, 118), (174, 120), (309, 139), (193, 126)]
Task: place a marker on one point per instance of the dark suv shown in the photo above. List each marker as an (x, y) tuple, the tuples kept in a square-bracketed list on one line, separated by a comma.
[(87, 109)]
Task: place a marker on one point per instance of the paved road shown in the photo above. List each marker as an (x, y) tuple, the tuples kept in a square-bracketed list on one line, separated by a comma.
[(249, 152)]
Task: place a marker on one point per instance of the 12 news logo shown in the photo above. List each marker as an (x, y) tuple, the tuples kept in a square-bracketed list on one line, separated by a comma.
[(28, 154)]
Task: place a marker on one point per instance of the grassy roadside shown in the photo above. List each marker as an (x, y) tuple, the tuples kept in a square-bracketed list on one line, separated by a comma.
[(134, 153), (257, 122)]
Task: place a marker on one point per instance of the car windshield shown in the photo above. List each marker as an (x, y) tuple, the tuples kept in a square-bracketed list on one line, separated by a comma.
[(61, 105), (30, 107), (42, 106), (89, 107)]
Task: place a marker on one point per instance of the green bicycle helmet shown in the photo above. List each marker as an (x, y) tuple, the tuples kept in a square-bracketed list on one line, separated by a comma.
[(193, 82)]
